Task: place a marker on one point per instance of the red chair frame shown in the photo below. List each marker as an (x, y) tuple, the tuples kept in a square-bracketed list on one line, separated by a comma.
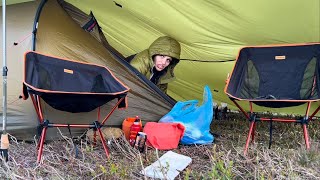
[(253, 119), (96, 125)]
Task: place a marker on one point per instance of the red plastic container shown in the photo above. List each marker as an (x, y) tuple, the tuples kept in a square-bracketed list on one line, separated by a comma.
[(126, 126), (135, 128)]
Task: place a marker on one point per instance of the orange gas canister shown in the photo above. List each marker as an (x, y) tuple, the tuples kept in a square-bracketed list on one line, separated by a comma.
[(126, 125)]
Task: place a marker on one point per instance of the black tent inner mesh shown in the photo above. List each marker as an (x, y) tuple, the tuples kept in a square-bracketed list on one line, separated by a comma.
[(288, 73), (70, 86)]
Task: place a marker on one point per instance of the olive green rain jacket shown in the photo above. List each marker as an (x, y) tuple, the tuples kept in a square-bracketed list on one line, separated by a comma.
[(164, 46)]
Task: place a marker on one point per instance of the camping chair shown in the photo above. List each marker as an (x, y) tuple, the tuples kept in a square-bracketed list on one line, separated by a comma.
[(276, 77), (70, 86)]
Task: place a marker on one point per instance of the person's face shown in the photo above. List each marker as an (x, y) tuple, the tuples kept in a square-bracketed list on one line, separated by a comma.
[(161, 62)]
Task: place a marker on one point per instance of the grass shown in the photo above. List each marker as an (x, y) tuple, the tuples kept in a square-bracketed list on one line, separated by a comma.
[(287, 158)]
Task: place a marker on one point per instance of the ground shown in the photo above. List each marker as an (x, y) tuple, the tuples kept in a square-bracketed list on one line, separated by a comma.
[(286, 159)]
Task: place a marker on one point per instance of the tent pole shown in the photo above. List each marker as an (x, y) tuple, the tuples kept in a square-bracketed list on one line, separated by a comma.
[(4, 136)]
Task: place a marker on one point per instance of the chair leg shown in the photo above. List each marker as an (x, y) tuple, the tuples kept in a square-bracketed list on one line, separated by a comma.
[(306, 135), (94, 138), (252, 123), (103, 141), (40, 145), (253, 132)]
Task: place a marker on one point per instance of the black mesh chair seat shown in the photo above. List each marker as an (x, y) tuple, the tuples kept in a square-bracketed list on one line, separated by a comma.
[(69, 85), (276, 77)]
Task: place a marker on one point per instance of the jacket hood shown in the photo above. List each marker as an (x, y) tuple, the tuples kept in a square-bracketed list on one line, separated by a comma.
[(167, 46)]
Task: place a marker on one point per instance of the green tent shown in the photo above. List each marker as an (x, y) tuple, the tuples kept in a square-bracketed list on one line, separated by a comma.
[(210, 32)]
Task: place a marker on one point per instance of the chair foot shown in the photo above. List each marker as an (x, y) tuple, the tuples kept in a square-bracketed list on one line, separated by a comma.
[(103, 141), (306, 136), (40, 145), (251, 129)]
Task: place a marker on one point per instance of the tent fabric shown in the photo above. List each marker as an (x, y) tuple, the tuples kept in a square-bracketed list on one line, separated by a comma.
[(21, 119), (207, 30), (16, 2), (61, 36), (276, 76), (69, 85)]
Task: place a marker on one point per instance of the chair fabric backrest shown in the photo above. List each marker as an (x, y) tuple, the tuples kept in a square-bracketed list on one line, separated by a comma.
[(276, 73), (70, 85)]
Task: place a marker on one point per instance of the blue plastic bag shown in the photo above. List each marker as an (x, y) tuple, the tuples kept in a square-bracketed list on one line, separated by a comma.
[(196, 119)]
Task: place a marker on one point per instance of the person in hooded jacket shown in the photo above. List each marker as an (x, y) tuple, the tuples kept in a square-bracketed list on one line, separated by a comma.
[(158, 62)]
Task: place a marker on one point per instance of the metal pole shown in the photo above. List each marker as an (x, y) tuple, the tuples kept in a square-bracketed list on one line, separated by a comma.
[(4, 136), (4, 68)]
